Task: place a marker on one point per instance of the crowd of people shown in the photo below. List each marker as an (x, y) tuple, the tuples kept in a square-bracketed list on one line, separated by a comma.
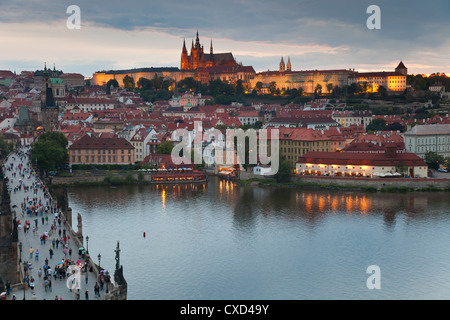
[(41, 217)]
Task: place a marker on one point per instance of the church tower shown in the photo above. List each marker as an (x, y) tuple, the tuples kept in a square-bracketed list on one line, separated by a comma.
[(282, 65), (401, 69), (288, 66), (197, 58), (184, 57)]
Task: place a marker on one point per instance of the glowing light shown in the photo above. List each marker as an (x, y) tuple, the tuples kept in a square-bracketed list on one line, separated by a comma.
[(163, 199)]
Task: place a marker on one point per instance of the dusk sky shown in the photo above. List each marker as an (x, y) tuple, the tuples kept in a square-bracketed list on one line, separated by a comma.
[(315, 34)]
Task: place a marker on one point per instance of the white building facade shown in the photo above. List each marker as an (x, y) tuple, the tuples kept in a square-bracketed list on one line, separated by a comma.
[(423, 138)]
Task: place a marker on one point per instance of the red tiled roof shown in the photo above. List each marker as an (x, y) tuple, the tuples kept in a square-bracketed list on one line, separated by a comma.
[(90, 142)]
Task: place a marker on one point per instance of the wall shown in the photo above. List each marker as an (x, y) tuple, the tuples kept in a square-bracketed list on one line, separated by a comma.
[(378, 183)]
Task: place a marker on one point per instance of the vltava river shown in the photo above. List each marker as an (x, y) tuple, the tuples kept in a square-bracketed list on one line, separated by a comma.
[(224, 241)]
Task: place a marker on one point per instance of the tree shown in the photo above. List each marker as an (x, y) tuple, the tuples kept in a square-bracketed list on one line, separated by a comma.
[(189, 84), (239, 88), (336, 91), (401, 168), (258, 86), (382, 91), (112, 82), (272, 87), (284, 170), (165, 148), (433, 160), (318, 90), (395, 126), (377, 125), (128, 82), (144, 84), (329, 87), (50, 151)]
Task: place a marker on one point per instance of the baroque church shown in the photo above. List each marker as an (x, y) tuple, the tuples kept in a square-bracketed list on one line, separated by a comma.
[(199, 59)]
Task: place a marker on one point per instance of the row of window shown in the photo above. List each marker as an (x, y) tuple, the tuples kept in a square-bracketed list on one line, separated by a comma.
[(100, 159), (103, 151), (303, 143), (432, 140), (302, 151)]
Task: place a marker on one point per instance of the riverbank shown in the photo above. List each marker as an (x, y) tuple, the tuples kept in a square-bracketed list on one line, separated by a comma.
[(117, 178), (357, 184), (110, 178)]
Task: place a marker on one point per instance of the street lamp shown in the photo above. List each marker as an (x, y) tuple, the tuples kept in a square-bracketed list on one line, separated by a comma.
[(87, 244), (99, 257), (20, 248), (24, 282)]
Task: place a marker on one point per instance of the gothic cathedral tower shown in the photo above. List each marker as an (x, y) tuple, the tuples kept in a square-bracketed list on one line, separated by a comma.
[(282, 65)]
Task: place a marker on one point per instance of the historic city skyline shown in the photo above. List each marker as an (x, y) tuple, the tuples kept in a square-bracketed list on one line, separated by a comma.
[(136, 34)]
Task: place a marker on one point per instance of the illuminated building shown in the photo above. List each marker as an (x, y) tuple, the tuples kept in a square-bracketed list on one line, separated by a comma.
[(199, 59), (392, 81), (367, 164)]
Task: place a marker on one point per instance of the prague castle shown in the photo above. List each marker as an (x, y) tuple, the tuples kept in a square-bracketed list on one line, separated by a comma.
[(199, 59), (309, 80), (199, 65)]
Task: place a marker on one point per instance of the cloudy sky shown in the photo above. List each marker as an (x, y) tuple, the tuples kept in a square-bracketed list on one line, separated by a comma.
[(315, 34)]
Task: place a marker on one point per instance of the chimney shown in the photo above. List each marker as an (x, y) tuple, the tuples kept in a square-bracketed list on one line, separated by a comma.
[(390, 151)]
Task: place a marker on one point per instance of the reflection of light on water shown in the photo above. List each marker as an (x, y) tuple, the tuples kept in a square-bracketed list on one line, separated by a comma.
[(335, 204), (349, 204), (321, 203), (163, 199), (308, 203), (364, 205)]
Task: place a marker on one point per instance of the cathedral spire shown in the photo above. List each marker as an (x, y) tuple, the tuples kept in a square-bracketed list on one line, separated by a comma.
[(282, 65), (184, 45), (197, 41), (289, 66), (211, 49)]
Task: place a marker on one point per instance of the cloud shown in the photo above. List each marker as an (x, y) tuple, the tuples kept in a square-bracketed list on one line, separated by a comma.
[(315, 34)]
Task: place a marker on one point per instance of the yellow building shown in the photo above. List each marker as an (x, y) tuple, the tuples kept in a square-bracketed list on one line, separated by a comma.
[(295, 142), (392, 81), (102, 77), (327, 79), (92, 150)]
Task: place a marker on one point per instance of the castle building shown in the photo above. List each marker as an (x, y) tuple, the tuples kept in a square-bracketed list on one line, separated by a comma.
[(199, 59), (392, 81), (309, 80)]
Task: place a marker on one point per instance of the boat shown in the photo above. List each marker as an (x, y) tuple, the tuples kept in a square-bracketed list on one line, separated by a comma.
[(185, 175)]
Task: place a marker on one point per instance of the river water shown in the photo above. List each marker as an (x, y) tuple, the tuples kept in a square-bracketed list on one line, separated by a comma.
[(220, 241)]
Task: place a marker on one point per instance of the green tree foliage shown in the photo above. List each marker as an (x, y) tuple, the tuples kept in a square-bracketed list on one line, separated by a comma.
[(284, 170), (329, 87), (165, 148), (128, 82), (377, 125), (112, 82), (433, 159), (258, 86), (50, 151)]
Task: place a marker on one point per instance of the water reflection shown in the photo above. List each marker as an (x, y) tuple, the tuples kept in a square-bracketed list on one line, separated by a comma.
[(220, 240), (249, 202)]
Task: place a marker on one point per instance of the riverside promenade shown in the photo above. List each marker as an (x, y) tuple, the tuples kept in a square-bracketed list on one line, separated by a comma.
[(29, 200)]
